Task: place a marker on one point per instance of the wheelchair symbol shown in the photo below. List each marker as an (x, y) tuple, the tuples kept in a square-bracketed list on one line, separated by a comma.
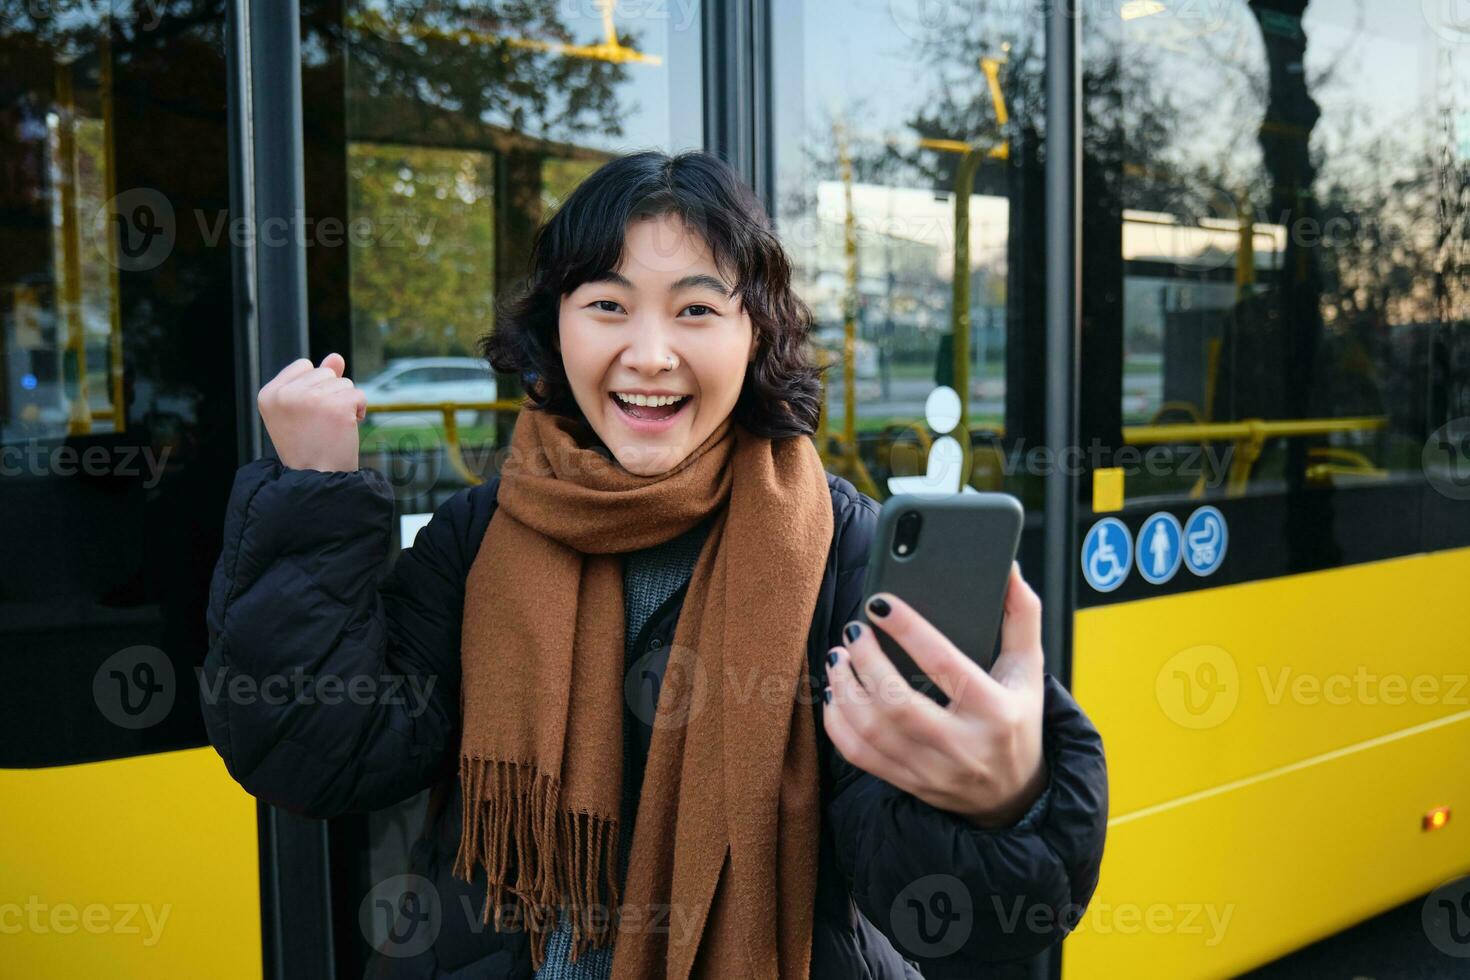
[(1107, 554)]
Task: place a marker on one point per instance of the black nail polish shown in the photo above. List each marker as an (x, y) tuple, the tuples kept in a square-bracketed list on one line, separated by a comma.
[(831, 658), (827, 694), (878, 606), (852, 632)]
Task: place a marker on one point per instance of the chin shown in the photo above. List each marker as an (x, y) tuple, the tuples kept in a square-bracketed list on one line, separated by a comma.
[(649, 460)]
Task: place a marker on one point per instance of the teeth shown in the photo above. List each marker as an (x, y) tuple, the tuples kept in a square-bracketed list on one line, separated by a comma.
[(654, 400)]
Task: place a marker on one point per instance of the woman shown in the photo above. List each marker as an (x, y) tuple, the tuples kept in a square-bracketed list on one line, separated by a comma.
[(673, 747)]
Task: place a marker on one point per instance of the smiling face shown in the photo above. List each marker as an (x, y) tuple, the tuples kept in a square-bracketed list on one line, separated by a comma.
[(617, 333)]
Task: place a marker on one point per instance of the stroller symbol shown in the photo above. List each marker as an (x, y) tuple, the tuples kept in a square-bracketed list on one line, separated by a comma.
[(1205, 538)]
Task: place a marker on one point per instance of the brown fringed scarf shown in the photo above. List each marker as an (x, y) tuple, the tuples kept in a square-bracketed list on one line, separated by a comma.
[(722, 875)]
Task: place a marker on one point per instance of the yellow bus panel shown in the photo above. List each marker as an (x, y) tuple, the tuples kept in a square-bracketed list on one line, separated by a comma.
[(144, 867), (1272, 748)]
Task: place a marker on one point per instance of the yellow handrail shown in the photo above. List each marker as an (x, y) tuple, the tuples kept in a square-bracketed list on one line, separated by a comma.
[(447, 410), (1249, 436)]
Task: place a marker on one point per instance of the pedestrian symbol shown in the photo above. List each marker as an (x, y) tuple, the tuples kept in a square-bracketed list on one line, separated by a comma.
[(1158, 548), (1205, 540), (1107, 554)]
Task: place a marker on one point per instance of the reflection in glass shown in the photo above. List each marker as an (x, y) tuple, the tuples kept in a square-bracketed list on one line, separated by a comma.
[(1281, 215), (883, 192), (118, 433), (437, 137)]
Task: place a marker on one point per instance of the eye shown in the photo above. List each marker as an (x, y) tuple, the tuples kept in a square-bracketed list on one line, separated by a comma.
[(708, 310), (597, 302)]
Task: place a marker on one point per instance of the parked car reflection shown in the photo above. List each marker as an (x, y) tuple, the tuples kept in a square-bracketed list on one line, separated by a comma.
[(428, 381)]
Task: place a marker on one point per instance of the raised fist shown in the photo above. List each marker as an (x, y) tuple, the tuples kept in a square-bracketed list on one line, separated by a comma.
[(312, 413)]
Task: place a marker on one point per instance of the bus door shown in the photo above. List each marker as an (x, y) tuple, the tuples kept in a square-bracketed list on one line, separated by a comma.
[(128, 850)]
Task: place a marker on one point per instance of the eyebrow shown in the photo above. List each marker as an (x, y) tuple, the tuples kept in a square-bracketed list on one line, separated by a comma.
[(699, 279)]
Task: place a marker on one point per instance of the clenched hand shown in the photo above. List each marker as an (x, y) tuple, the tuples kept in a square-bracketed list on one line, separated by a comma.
[(312, 413)]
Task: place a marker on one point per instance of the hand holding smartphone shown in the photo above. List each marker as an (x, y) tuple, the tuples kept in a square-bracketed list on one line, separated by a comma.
[(949, 556)]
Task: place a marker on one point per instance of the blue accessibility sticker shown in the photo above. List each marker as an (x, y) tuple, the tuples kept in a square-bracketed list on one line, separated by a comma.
[(1107, 554), (1159, 553), (1205, 539)]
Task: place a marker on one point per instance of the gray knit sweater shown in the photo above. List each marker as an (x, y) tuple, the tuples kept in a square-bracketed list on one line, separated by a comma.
[(650, 576)]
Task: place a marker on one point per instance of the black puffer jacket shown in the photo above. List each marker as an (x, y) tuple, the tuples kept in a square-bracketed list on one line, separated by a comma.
[(297, 589)]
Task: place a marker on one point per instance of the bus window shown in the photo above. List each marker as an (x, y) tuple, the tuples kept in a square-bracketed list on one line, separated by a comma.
[(883, 191), (1265, 292), (119, 439)]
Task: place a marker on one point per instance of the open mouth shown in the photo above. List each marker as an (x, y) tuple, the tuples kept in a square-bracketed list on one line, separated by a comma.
[(650, 413)]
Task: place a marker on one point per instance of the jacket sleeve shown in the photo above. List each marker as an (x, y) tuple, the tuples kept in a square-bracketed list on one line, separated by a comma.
[(950, 895), (324, 691)]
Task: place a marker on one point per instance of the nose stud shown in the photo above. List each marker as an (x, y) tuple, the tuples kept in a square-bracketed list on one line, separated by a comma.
[(670, 359)]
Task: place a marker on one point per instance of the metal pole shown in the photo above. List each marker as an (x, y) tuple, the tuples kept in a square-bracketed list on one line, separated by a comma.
[(263, 48), (1063, 267)]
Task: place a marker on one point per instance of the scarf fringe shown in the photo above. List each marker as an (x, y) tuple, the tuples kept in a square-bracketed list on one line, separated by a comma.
[(510, 814)]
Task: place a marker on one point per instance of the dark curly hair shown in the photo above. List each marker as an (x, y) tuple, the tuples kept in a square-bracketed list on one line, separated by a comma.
[(781, 394)]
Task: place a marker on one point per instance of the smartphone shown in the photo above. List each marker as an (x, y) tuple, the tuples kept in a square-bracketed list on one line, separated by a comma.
[(949, 556)]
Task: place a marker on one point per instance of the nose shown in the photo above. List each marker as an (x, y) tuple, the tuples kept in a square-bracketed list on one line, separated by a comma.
[(648, 348)]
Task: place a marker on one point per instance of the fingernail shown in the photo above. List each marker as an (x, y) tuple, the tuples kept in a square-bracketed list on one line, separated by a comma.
[(827, 694), (852, 632), (878, 606), (832, 657)]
